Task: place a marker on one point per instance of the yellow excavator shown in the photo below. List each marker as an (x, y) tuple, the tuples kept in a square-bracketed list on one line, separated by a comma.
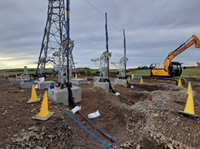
[(172, 69)]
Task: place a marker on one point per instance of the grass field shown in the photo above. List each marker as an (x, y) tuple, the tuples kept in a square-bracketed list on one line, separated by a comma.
[(21, 71), (111, 71), (191, 71), (185, 71), (141, 72)]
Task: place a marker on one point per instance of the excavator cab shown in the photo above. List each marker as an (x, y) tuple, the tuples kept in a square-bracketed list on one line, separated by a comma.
[(175, 69)]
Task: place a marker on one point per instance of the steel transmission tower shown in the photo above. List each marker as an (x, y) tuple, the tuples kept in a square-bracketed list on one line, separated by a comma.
[(53, 32)]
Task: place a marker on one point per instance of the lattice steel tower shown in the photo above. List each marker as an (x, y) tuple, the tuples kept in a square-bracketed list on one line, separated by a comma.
[(53, 32)]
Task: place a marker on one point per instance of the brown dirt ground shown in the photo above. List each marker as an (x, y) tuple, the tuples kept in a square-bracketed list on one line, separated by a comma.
[(146, 125)]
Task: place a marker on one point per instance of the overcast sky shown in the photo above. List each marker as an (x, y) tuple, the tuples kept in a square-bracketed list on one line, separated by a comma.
[(153, 28)]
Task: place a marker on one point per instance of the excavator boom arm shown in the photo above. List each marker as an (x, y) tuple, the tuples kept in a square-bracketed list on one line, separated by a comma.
[(195, 40)]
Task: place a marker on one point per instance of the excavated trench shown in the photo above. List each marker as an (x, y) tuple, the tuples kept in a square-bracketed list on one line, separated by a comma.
[(151, 88)]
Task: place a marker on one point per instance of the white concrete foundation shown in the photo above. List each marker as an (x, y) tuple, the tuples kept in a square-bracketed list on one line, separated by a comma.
[(79, 81), (104, 85), (61, 95), (122, 82), (46, 84), (28, 84)]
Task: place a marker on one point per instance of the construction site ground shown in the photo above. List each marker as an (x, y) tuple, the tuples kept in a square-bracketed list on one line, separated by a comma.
[(149, 124)]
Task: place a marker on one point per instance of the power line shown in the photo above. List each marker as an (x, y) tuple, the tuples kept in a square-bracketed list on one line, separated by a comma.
[(91, 25), (128, 26), (115, 26), (124, 20)]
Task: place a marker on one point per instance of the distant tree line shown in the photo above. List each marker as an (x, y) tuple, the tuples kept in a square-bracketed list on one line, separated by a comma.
[(143, 67)]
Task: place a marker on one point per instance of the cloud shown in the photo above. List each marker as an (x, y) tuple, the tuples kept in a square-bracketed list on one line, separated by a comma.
[(153, 29)]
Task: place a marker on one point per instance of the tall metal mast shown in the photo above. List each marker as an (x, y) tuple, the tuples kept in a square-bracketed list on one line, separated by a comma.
[(124, 50), (104, 59), (122, 62), (68, 37), (106, 29), (53, 32)]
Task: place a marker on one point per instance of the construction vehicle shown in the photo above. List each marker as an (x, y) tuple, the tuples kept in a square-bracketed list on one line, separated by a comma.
[(173, 69)]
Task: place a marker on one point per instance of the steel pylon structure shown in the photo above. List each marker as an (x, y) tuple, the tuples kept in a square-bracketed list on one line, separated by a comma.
[(53, 32), (104, 59), (122, 62)]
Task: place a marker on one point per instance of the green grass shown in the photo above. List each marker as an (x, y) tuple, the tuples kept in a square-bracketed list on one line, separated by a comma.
[(191, 71), (111, 71), (93, 71), (21, 71), (141, 72)]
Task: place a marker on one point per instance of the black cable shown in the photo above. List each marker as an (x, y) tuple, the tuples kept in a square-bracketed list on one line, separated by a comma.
[(111, 89), (97, 128)]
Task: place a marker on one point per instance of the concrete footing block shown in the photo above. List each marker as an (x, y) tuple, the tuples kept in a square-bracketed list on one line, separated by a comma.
[(28, 84), (79, 81), (46, 84), (104, 85), (122, 82), (61, 95), (15, 83)]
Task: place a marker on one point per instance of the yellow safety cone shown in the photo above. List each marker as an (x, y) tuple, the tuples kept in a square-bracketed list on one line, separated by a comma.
[(141, 81), (132, 75), (15, 75), (34, 97), (179, 82), (189, 108), (129, 77), (76, 76), (189, 88), (44, 111), (86, 78)]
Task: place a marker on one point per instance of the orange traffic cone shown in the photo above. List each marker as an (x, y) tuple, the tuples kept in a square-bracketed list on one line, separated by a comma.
[(34, 97), (44, 111), (189, 108)]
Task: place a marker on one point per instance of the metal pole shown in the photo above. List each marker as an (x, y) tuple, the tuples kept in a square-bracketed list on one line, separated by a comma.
[(68, 37), (106, 29), (67, 20), (124, 49)]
